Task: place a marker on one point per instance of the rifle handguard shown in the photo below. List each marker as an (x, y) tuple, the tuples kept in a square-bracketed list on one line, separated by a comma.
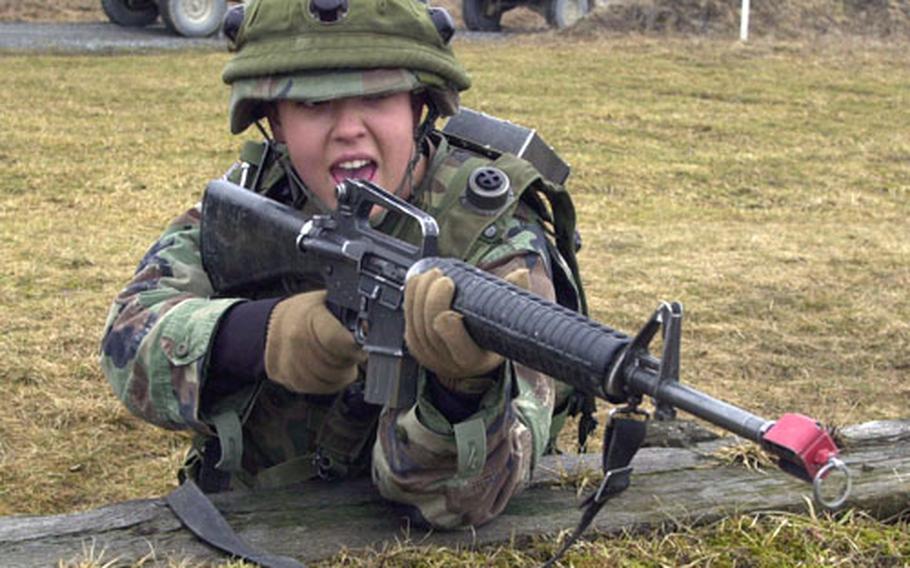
[(528, 329)]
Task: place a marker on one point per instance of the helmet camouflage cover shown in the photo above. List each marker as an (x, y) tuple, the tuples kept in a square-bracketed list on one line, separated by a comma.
[(300, 50)]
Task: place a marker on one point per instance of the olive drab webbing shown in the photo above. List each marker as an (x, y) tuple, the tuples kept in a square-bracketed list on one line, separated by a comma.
[(265, 167), (467, 231), (213, 461), (463, 229), (343, 433)]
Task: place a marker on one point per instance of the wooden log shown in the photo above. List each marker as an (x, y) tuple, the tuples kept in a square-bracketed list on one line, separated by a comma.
[(316, 520)]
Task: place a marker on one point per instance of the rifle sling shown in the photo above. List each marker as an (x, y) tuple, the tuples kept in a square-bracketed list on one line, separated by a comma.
[(623, 437), (199, 515)]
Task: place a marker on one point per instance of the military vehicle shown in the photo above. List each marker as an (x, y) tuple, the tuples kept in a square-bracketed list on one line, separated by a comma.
[(485, 15), (190, 18), (200, 18)]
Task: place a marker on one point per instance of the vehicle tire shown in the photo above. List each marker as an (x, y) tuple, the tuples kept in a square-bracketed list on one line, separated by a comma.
[(130, 13), (472, 11), (193, 18), (563, 13)]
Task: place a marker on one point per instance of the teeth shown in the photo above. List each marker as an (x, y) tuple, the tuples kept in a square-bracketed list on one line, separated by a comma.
[(353, 164)]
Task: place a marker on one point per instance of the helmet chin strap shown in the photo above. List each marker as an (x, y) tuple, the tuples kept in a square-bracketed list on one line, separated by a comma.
[(420, 139), (263, 131), (300, 193)]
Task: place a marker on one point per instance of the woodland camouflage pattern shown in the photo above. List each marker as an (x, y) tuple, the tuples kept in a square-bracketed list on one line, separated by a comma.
[(280, 38), (161, 325)]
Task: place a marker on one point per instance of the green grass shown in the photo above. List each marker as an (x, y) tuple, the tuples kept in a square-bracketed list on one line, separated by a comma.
[(766, 186)]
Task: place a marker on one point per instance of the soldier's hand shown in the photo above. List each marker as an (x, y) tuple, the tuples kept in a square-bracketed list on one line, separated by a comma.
[(307, 349), (436, 336)]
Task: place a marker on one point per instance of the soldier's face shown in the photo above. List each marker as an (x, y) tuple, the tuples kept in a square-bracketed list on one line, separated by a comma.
[(368, 138)]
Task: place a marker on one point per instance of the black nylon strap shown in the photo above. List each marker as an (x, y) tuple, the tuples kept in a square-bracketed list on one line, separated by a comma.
[(623, 437), (199, 515), (587, 423)]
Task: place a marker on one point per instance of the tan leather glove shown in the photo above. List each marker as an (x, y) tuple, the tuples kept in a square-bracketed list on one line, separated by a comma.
[(436, 336), (307, 350)]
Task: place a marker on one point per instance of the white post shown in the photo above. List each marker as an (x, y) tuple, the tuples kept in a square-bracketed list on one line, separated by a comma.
[(744, 21)]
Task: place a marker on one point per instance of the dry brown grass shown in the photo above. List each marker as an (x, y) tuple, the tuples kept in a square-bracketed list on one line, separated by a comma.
[(780, 18), (766, 186), (51, 11)]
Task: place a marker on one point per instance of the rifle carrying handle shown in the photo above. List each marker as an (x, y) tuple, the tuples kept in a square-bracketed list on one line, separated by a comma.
[(528, 329)]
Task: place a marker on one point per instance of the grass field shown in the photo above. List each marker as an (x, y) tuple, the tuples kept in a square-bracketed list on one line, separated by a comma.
[(765, 186)]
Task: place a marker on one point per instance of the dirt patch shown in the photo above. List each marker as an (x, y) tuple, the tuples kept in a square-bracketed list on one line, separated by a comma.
[(784, 18)]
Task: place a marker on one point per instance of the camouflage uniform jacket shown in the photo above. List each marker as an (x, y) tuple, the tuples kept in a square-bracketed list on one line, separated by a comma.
[(161, 326)]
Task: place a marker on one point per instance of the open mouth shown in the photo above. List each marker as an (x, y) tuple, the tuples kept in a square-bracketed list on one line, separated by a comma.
[(354, 169)]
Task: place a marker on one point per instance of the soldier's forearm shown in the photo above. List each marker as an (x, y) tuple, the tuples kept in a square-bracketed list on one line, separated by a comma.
[(236, 356)]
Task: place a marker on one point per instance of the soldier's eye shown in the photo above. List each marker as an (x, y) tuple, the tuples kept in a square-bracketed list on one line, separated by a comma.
[(378, 97), (310, 104)]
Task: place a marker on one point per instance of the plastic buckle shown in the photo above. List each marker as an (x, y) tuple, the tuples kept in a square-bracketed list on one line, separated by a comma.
[(630, 409), (601, 495)]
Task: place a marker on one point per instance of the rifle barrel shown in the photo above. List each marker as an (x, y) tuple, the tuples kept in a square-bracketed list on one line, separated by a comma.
[(717, 412)]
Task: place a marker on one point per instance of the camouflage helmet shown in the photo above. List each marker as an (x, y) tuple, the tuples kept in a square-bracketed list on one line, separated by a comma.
[(318, 50)]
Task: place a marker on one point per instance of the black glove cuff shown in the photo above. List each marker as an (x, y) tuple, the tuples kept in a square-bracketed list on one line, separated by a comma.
[(456, 407), (236, 358)]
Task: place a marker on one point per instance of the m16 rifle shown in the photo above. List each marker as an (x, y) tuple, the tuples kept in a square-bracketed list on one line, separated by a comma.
[(249, 240)]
